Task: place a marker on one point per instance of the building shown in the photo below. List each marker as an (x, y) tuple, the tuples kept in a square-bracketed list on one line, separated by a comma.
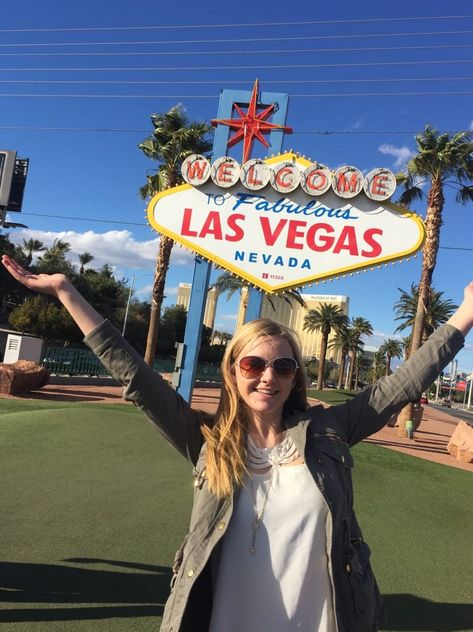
[(184, 297), (292, 316)]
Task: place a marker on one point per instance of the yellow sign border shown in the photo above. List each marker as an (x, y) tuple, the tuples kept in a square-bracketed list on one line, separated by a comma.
[(272, 289)]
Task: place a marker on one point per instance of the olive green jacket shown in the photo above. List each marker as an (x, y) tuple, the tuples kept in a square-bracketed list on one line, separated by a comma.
[(322, 435)]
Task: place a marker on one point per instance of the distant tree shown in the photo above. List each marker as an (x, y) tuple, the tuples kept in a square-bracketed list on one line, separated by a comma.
[(438, 311), (172, 328), (85, 258), (29, 247), (378, 365), (54, 260), (391, 348), (41, 317), (361, 327), (229, 283), (324, 318)]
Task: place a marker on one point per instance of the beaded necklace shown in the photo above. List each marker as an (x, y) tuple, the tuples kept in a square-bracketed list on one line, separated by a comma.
[(259, 459)]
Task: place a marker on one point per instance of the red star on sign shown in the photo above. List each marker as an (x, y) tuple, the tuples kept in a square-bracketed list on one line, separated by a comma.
[(250, 125)]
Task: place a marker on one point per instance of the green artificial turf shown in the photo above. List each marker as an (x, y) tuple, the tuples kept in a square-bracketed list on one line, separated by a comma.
[(332, 395), (94, 503)]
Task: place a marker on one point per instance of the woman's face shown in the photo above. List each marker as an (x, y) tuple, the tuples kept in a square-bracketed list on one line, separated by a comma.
[(265, 395)]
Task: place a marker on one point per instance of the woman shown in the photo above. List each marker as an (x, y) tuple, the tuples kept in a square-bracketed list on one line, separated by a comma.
[(267, 549)]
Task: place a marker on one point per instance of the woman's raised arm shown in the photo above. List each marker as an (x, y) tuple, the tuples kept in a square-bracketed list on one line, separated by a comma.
[(59, 286), (179, 423)]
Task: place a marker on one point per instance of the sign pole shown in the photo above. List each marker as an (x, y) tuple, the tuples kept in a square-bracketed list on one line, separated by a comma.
[(201, 278), (255, 297), (202, 269)]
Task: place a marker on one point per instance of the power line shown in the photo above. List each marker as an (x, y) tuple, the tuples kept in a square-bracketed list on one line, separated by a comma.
[(251, 67), (147, 131), (112, 221), (277, 81), (85, 219), (216, 96), (245, 24), (245, 39), (237, 52)]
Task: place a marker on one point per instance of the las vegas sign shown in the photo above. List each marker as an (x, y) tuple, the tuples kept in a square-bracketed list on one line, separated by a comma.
[(285, 222)]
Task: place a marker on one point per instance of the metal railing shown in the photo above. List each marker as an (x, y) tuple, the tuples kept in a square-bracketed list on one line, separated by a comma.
[(72, 361)]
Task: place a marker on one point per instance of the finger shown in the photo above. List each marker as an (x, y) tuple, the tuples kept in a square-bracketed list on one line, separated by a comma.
[(13, 266)]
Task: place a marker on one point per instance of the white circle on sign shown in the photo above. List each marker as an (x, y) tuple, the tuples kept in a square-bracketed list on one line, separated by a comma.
[(347, 181), (225, 172), (255, 174), (195, 169), (316, 179), (380, 184), (285, 177)]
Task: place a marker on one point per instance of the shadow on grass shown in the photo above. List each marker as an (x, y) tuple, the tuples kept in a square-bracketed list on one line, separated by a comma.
[(415, 614), (144, 593)]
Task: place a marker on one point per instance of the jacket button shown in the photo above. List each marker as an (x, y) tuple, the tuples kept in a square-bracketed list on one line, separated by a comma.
[(348, 568), (190, 572), (220, 525)]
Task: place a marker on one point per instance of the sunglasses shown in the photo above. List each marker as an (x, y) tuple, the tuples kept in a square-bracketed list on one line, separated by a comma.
[(253, 367)]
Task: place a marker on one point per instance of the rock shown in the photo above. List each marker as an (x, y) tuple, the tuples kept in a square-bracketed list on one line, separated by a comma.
[(22, 376), (460, 445)]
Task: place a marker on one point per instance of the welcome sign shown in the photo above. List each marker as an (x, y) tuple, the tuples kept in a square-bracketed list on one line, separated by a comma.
[(285, 222)]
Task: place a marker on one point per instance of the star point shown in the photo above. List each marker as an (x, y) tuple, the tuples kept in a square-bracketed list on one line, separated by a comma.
[(251, 125)]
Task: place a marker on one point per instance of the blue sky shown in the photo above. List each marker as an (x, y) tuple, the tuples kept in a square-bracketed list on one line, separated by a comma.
[(369, 73)]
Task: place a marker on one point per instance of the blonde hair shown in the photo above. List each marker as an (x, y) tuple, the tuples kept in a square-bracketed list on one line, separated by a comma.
[(225, 435)]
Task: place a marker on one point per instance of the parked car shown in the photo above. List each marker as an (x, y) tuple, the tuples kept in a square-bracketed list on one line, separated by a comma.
[(424, 400)]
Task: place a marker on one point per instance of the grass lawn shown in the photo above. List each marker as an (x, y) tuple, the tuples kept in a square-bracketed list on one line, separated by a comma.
[(94, 503), (332, 396)]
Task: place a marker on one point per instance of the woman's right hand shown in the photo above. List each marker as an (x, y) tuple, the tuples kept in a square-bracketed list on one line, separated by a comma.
[(46, 283)]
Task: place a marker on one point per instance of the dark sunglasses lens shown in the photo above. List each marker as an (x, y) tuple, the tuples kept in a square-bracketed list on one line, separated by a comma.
[(252, 366), (285, 367)]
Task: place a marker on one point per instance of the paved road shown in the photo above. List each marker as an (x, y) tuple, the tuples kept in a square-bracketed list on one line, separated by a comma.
[(459, 413)]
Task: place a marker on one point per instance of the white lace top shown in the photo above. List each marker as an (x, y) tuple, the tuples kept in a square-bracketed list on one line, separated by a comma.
[(285, 585)]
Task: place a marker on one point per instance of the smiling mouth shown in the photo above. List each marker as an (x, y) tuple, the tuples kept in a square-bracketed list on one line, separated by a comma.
[(265, 391)]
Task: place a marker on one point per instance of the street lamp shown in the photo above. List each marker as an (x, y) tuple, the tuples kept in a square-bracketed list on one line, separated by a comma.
[(130, 293)]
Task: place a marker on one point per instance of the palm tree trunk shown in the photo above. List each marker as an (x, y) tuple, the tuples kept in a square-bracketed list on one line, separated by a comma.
[(162, 265), (342, 371), (323, 353), (433, 222)]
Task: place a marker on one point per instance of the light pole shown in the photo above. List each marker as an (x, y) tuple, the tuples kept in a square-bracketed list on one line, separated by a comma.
[(130, 293)]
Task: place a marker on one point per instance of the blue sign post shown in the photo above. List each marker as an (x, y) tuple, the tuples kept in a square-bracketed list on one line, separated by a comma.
[(202, 269)]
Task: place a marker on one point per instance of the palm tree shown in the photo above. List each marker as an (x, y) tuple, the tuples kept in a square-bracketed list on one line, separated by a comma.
[(391, 348), (324, 318), (363, 365), (438, 311), (174, 138), (375, 372), (442, 160), (85, 258), (29, 247), (343, 341), (228, 283), (361, 327)]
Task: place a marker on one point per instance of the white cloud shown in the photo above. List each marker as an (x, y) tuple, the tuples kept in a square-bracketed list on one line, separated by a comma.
[(118, 248), (378, 338), (402, 154), (471, 125)]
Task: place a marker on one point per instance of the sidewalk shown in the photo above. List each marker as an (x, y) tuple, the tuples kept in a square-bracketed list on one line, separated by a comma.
[(430, 441)]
